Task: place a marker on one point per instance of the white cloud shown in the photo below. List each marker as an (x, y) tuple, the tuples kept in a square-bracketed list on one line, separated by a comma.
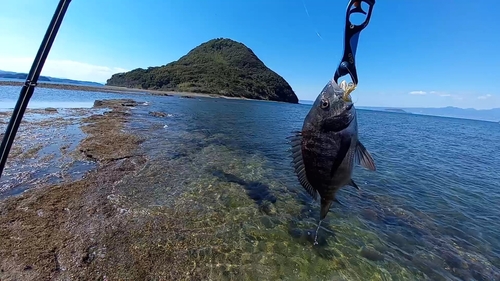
[(62, 69), (441, 94), (418, 93), (484, 97)]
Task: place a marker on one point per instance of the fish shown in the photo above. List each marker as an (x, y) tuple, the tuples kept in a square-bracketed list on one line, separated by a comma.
[(325, 150)]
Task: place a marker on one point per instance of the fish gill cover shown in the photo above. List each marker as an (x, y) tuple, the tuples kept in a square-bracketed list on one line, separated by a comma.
[(219, 66)]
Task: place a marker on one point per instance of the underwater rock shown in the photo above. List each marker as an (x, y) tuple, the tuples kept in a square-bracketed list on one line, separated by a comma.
[(116, 103), (157, 114), (371, 254), (429, 264), (454, 260), (483, 272), (267, 222), (370, 215), (268, 208)]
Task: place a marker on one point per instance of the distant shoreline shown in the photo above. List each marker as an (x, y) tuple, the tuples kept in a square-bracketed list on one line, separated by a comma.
[(118, 90)]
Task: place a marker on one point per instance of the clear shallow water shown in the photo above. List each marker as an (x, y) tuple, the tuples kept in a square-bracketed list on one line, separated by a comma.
[(46, 97), (429, 212)]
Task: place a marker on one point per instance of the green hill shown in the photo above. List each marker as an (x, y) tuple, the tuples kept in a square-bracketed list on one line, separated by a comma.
[(219, 66)]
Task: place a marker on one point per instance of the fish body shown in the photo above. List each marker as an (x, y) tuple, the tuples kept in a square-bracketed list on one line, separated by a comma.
[(325, 150)]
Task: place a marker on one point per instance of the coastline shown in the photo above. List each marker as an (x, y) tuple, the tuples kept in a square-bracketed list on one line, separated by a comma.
[(121, 90), (88, 229), (51, 230)]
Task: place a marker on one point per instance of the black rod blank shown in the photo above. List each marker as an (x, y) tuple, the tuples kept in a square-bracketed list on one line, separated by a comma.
[(31, 82)]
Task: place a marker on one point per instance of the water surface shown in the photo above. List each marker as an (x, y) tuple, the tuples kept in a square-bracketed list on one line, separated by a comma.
[(429, 212)]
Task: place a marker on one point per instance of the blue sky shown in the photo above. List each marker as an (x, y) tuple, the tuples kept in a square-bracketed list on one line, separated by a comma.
[(414, 53)]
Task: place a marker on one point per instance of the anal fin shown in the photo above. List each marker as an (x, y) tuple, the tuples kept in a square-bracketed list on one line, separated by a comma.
[(353, 184)]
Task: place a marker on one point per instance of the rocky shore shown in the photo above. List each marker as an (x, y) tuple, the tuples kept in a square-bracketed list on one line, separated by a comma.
[(116, 89), (57, 231)]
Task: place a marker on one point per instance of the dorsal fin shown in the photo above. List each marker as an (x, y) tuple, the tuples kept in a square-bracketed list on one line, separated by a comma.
[(298, 164)]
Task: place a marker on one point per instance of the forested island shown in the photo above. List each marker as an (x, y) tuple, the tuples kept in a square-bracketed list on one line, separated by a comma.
[(219, 66)]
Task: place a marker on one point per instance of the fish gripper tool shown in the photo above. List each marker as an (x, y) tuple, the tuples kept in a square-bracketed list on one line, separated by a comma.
[(351, 36)]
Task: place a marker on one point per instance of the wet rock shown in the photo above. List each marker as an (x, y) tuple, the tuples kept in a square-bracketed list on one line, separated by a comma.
[(380, 247), (157, 114), (397, 239), (115, 103), (454, 260), (463, 274), (268, 208), (267, 222), (481, 272), (295, 233), (429, 264), (320, 240), (187, 97), (370, 215), (90, 254), (371, 254), (51, 109)]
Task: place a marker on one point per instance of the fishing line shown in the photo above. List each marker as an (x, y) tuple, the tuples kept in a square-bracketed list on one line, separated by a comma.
[(309, 17)]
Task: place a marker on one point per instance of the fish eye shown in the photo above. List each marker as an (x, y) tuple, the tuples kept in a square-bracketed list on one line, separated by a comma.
[(324, 103), (349, 106)]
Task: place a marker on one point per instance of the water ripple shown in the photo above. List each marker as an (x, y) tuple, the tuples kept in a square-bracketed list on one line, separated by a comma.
[(429, 212)]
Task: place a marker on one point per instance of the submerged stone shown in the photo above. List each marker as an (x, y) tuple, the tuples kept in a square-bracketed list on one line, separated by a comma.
[(268, 208), (157, 114), (371, 254)]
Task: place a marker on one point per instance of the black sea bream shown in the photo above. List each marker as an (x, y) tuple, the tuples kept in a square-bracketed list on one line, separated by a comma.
[(326, 149)]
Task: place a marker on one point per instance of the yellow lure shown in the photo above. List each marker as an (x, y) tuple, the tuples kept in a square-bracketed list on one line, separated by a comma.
[(348, 89)]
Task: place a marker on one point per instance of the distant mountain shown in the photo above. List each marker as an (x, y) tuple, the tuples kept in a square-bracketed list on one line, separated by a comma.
[(450, 111), (22, 76)]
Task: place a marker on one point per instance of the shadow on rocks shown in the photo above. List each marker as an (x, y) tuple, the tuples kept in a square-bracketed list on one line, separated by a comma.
[(257, 191)]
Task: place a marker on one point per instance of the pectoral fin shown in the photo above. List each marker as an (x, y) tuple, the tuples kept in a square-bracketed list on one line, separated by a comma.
[(345, 144), (363, 157)]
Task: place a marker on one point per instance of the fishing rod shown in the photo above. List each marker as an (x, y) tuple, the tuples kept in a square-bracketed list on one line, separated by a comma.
[(31, 82), (351, 36)]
